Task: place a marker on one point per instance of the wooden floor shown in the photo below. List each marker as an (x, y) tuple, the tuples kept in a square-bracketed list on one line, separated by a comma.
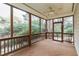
[(48, 47)]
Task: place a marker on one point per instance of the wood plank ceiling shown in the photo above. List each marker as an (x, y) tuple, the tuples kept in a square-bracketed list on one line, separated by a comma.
[(51, 9)]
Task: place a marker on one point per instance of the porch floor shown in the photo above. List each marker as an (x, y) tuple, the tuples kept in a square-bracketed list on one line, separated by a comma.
[(48, 47)]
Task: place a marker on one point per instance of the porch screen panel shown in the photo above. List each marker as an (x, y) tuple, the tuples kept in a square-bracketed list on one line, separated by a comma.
[(49, 26), (20, 22), (68, 24), (68, 29), (35, 24), (4, 21), (42, 26)]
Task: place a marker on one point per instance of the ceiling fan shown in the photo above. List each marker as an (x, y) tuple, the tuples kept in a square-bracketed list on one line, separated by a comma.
[(51, 11)]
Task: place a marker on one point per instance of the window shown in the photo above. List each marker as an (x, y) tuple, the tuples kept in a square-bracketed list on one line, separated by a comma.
[(20, 22), (42, 25), (58, 20), (35, 24), (57, 27), (49, 25), (68, 24), (4, 21)]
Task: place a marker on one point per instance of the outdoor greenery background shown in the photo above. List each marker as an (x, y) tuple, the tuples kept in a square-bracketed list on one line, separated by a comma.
[(21, 23), (23, 28)]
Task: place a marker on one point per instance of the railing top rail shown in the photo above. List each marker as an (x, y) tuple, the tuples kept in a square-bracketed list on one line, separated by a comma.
[(59, 33), (13, 37), (19, 36), (38, 34)]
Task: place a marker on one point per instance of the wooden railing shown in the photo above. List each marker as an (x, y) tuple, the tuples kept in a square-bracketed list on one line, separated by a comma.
[(37, 37), (49, 35), (68, 37), (9, 45)]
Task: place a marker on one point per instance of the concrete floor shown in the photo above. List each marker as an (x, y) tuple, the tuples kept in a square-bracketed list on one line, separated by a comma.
[(48, 47)]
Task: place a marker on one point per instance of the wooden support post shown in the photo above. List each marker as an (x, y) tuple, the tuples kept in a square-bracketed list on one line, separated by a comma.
[(29, 41), (62, 28), (0, 48), (73, 30), (53, 30), (46, 30), (11, 20), (40, 25)]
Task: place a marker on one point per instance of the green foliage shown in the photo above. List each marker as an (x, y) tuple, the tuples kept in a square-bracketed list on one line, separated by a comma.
[(35, 26), (23, 28), (57, 28), (68, 28), (19, 27)]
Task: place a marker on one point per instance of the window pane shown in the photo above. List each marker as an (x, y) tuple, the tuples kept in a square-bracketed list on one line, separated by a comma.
[(20, 22), (57, 27), (35, 25), (58, 20), (68, 24), (4, 21), (42, 25), (49, 25)]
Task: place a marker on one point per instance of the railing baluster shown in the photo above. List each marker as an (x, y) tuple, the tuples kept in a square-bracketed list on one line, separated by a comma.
[(11, 44), (8, 46), (0, 48), (25, 41), (22, 42), (14, 44), (19, 42), (4, 47)]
